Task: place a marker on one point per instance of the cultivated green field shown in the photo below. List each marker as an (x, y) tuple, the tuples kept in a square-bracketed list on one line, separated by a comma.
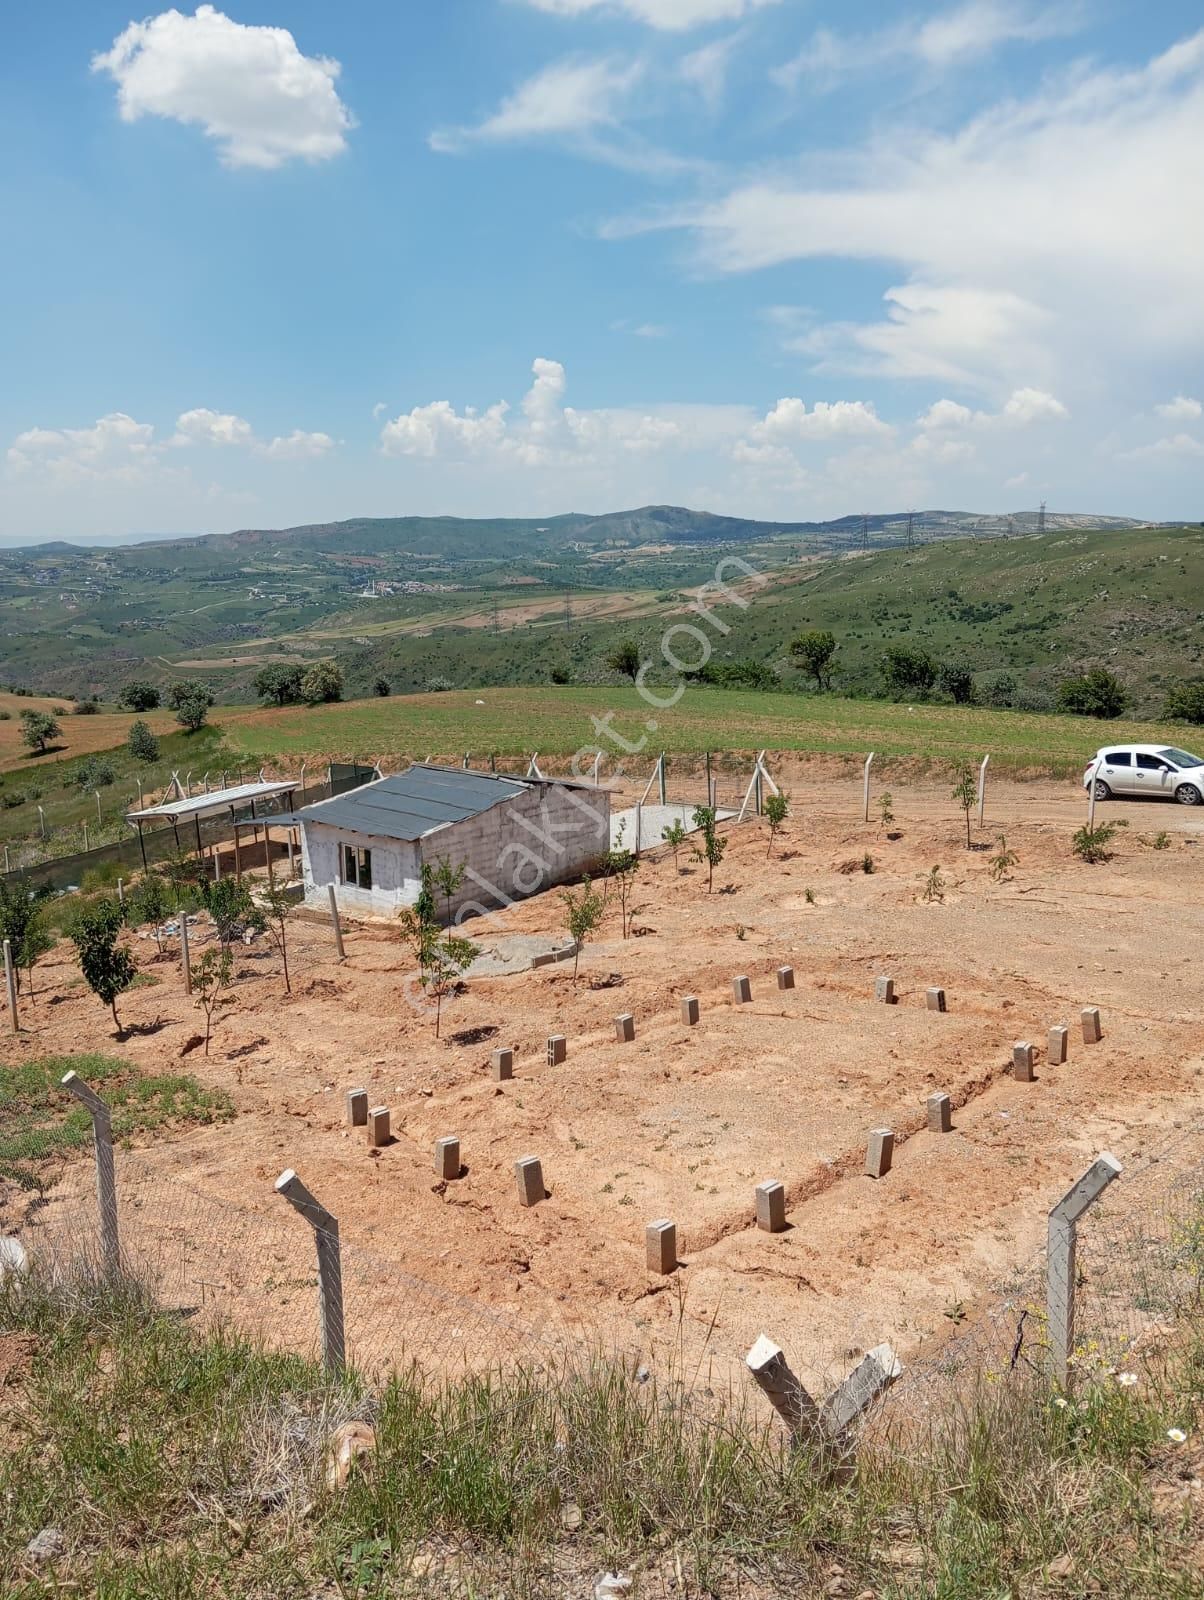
[(558, 721)]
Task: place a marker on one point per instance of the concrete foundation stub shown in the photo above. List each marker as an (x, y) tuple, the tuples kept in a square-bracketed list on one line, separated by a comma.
[(625, 1028), (741, 991), (357, 1108), (529, 1174), (660, 1245), (1093, 1030), (879, 1153), (1023, 1061), (447, 1158), (689, 1010), (940, 1113), (503, 1065), (1058, 1045), (884, 991), (936, 1000), (771, 1206), (785, 977), (378, 1127), (558, 1049)]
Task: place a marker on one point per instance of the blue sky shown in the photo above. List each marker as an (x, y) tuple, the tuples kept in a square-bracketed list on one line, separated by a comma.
[(278, 261)]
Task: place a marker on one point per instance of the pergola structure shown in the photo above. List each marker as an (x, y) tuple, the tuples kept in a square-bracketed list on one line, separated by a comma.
[(195, 808)]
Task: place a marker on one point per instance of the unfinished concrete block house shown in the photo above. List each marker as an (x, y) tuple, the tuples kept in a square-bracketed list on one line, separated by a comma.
[(513, 836)]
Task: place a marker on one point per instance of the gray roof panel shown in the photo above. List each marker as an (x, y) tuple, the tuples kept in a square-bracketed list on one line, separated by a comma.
[(413, 803)]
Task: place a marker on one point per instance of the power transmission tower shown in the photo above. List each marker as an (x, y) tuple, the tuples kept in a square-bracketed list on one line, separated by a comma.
[(911, 541), (568, 612), (495, 622), (865, 534), (1041, 518), (1011, 527)]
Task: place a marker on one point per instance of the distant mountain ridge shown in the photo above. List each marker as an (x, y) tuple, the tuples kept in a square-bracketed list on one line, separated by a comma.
[(659, 524)]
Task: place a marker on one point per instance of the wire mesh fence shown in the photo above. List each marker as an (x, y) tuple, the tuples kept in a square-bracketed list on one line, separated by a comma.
[(256, 1268)]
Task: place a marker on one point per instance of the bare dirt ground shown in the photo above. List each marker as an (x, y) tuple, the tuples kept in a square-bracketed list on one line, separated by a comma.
[(684, 1122)]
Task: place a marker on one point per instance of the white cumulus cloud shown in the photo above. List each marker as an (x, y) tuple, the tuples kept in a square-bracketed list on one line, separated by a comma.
[(203, 426), (297, 446), (249, 87), (115, 446), (1181, 409), (568, 97), (790, 421)]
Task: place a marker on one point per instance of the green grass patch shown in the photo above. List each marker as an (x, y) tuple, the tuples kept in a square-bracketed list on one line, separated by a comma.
[(558, 722), (41, 1123), (177, 1463)]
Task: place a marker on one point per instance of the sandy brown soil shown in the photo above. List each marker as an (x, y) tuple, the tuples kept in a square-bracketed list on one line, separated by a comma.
[(685, 1121)]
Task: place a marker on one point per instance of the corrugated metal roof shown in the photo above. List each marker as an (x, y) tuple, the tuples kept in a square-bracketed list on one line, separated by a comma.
[(213, 803), (410, 804)]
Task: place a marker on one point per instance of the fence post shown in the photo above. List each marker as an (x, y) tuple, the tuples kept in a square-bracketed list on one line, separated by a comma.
[(330, 1267), (664, 787), (42, 820), (184, 953), (982, 789), (10, 983), (1091, 796), (638, 816), (86, 847), (7, 868), (121, 893), (106, 1183), (1060, 1268), (99, 819), (869, 763), (338, 926)]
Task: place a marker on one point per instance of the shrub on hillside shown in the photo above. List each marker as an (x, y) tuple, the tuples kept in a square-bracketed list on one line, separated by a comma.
[(1185, 702), (322, 683), (141, 743), (97, 772), (1098, 693), (138, 696)]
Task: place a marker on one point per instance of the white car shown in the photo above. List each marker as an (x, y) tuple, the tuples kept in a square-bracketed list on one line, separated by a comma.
[(1147, 769)]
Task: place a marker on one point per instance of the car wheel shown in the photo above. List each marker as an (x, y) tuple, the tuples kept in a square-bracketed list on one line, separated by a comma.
[(1102, 791), (1188, 795)]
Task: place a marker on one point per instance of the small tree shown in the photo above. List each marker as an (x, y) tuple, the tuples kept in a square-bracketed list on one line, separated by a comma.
[(675, 836), (279, 683), (230, 905), (141, 743), (447, 880), (322, 683), (965, 792), (714, 843), (956, 679), (934, 886), (908, 671), (582, 914), (442, 957), (1185, 702), (273, 911), (107, 967), (37, 730), (1098, 693), (190, 701), (150, 902), (1002, 864), (886, 813), (812, 652), (381, 688), (138, 696), (21, 925), (209, 977), (777, 809), (625, 658), (621, 865)]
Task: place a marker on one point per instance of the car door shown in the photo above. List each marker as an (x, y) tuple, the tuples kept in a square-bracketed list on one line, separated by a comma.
[(1154, 776), (1116, 770)]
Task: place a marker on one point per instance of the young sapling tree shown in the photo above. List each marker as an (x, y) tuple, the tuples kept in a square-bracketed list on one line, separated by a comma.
[(714, 843), (965, 792), (777, 809), (583, 913), (674, 836), (107, 967)]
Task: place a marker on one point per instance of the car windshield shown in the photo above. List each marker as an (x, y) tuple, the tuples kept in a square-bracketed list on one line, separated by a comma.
[(1181, 758)]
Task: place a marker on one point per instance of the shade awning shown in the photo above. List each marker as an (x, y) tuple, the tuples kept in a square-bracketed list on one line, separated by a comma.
[(212, 804)]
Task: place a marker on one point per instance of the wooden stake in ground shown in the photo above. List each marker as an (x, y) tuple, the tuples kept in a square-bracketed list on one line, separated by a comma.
[(868, 764), (1060, 1269), (335, 923), (184, 953), (106, 1183), (10, 983), (330, 1267)]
